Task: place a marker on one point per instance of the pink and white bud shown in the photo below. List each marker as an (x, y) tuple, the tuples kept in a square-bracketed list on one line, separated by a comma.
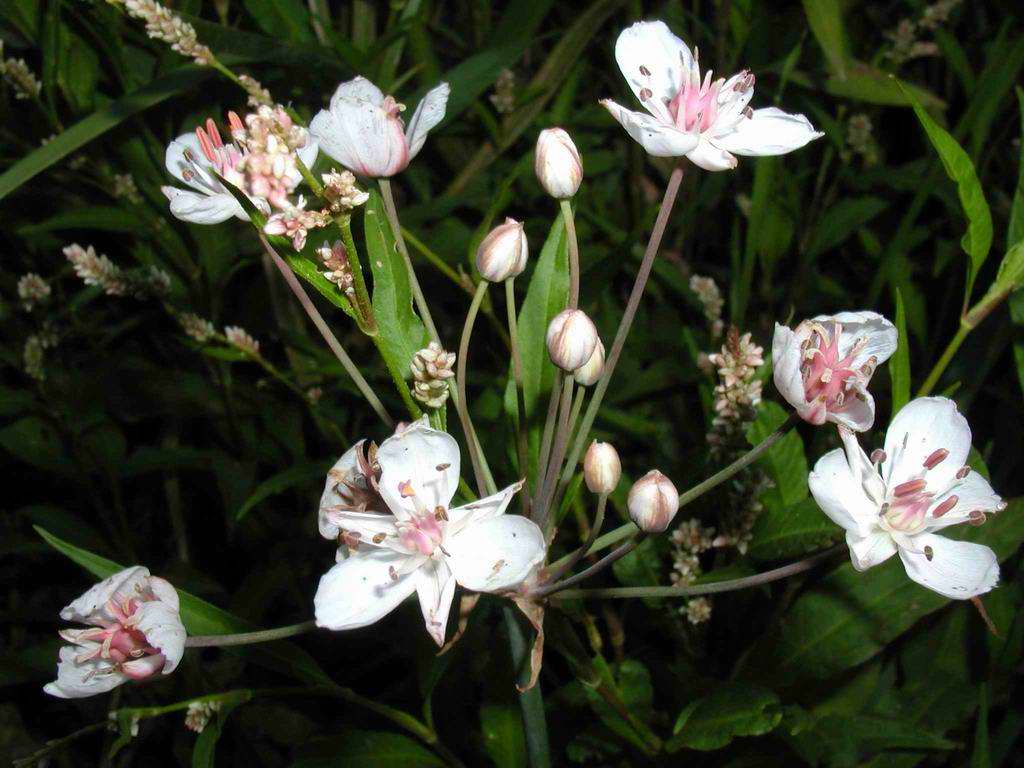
[(590, 372), (572, 339), (135, 632), (503, 253), (653, 501), (601, 467), (557, 164)]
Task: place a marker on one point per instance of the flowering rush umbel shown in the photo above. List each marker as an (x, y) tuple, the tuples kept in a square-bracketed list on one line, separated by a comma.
[(897, 498), (135, 632), (390, 510), (824, 365), (706, 121)]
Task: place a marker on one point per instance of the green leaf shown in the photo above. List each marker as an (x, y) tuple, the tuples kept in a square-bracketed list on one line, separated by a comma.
[(899, 365), (978, 238), (1015, 230), (826, 20), (35, 442), (731, 710), (282, 481), (504, 740), (785, 462), (864, 82), (980, 757), (847, 617), (782, 532), (368, 749), (98, 123), (203, 618), (206, 744), (841, 221), (287, 19), (402, 333)]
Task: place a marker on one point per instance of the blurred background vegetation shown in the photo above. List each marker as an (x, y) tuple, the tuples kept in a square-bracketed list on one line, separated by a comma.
[(124, 437)]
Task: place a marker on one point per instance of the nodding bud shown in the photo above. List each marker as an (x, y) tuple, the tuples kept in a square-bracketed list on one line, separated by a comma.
[(502, 254), (877, 456), (653, 501), (601, 467), (590, 372), (572, 339), (557, 164)]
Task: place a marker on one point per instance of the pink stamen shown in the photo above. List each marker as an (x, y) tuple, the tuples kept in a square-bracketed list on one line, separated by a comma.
[(909, 488), (945, 506), (936, 458)]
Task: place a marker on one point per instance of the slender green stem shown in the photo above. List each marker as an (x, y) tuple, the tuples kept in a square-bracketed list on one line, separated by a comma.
[(328, 335), (247, 638), (566, 564), (438, 263), (563, 481), (624, 531), (314, 184), (54, 744), (396, 229), (702, 589), (558, 449), (592, 570), (522, 449), (531, 701), (475, 454), (545, 442), (944, 361), (364, 304), (574, 253), (671, 190)]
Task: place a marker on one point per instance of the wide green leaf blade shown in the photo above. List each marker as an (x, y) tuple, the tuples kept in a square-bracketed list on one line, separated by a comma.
[(899, 365), (282, 481), (825, 18), (733, 709)]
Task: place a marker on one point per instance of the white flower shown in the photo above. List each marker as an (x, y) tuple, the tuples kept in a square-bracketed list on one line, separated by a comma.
[(401, 535), (135, 633), (197, 159), (706, 121), (362, 130), (823, 368), (919, 484)]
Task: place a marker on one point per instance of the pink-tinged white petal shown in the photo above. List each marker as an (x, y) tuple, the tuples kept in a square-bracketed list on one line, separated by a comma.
[(869, 550), (768, 131), (308, 153), (337, 491), (858, 413), (496, 554), (358, 89), (161, 624), (654, 62), (965, 499), (419, 469), (165, 592), (841, 495), (711, 157), (922, 427), (145, 667), (435, 587), (483, 509), (429, 113), (198, 208), (364, 588), (78, 680), (658, 138), (180, 167), (91, 607), (786, 359), (955, 569), (869, 334)]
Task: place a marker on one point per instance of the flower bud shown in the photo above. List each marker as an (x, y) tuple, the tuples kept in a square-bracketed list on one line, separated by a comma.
[(571, 339), (502, 254), (557, 163), (653, 501), (589, 373), (601, 467)]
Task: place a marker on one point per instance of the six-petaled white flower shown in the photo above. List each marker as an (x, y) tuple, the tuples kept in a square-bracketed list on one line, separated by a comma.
[(824, 366), (708, 122), (362, 130), (135, 633), (391, 510), (895, 500)]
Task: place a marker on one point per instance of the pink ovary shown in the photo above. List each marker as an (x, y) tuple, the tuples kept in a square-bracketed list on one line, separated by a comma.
[(422, 533)]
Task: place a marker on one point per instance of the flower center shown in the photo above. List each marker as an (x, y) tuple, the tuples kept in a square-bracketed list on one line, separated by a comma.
[(907, 503), (424, 531), (827, 376), (118, 642)]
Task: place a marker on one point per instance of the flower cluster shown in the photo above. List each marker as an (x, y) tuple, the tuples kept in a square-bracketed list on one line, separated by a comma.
[(432, 368), (905, 40), (34, 353), (341, 192), (711, 301), (18, 75), (166, 26), (96, 269), (339, 271), (32, 290), (240, 339), (689, 541), (199, 713), (504, 96), (860, 140), (126, 188)]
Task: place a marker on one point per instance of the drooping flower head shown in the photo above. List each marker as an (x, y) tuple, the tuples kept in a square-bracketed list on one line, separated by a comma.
[(257, 161), (135, 633), (824, 366), (362, 129), (895, 500), (707, 121), (391, 511)]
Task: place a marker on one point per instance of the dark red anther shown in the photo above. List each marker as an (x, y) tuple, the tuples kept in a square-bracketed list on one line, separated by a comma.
[(909, 487), (936, 458)]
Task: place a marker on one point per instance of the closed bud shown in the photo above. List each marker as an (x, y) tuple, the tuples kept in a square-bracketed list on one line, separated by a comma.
[(572, 339), (590, 372), (653, 501), (557, 164), (601, 467), (502, 254)]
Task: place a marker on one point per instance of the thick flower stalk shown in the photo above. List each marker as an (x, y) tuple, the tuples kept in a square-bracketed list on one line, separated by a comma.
[(706, 121), (362, 129), (894, 500), (824, 366), (390, 510), (135, 632)]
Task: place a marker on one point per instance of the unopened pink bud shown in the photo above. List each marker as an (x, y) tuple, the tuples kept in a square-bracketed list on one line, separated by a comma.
[(653, 501), (602, 467), (503, 253), (572, 339), (590, 372), (557, 163)]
